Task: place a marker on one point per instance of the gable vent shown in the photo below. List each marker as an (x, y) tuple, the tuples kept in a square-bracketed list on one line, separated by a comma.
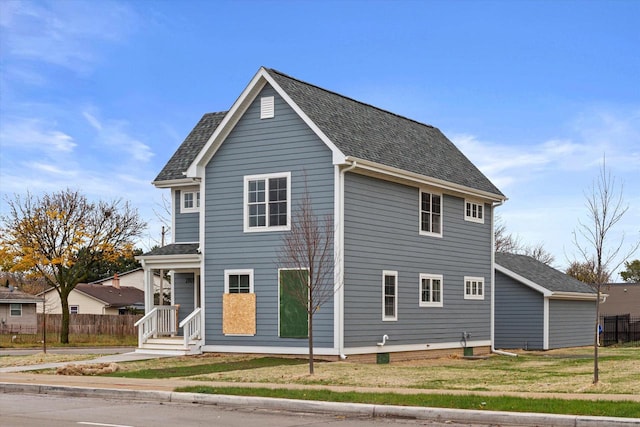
[(267, 107)]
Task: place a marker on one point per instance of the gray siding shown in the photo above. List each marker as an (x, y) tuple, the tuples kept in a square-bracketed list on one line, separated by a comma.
[(281, 144), (382, 233), (183, 288), (519, 312), (187, 225), (571, 323)]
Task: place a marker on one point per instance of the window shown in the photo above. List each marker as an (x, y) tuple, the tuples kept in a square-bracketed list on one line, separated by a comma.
[(474, 211), (15, 310), (473, 288), (267, 107), (389, 295), (267, 206), (430, 214), (189, 201), (238, 281), (74, 309), (430, 290)]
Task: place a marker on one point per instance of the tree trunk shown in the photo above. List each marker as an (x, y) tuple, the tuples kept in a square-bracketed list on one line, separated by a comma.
[(64, 327), (310, 342)]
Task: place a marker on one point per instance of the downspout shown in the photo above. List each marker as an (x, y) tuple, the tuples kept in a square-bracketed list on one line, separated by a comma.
[(493, 281), (341, 258)]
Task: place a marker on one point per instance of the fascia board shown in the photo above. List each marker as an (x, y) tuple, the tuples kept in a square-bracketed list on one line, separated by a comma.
[(182, 182), (171, 261), (404, 175), (544, 291), (573, 296), (20, 301)]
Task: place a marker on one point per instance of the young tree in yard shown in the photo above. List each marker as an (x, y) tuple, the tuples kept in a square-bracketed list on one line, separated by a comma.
[(61, 236), (631, 274), (307, 255), (605, 209)]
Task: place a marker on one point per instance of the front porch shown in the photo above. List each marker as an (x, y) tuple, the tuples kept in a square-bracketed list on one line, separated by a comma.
[(175, 329)]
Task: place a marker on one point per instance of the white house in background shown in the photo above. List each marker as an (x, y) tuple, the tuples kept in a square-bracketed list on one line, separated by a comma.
[(135, 279)]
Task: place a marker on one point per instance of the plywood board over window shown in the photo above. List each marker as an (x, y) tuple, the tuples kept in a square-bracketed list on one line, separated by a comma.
[(239, 314)]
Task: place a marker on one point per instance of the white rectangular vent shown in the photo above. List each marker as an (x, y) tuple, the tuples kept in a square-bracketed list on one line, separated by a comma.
[(267, 108)]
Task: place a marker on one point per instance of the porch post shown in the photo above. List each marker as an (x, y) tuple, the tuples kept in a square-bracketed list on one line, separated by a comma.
[(148, 289)]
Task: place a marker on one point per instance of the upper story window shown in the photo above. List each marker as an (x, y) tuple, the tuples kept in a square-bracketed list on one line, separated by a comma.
[(238, 281), (389, 295), (473, 287), (430, 214), (267, 204), (189, 200), (474, 211), (430, 290)]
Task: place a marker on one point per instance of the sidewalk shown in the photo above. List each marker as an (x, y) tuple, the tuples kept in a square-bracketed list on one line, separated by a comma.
[(19, 380)]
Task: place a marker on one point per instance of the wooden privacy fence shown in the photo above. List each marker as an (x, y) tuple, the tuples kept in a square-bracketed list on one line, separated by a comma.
[(93, 324)]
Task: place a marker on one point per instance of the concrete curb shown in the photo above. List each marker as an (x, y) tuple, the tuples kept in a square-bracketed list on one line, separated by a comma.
[(418, 413)]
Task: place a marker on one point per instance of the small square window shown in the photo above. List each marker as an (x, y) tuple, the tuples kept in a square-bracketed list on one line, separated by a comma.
[(474, 211), (431, 289), (473, 288), (189, 201), (238, 281), (15, 310), (74, 309)]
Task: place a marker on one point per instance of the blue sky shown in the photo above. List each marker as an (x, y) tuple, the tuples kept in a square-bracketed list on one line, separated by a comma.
[(97, 95)]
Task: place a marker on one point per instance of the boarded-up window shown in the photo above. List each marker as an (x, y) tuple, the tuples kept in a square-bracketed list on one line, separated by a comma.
[(238, 303), (293, 307)]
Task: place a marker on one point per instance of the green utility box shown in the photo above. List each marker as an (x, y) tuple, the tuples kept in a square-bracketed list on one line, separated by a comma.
[(382, 358), (468, 351)]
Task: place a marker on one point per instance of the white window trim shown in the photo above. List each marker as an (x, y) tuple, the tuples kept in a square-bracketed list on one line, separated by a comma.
[(471, 218), (480, 280), (430, 233), (393, 318), (267, 107), (248, 178), (431, 303), (196, 200), (71, 309), (228, 273), (11, 309)]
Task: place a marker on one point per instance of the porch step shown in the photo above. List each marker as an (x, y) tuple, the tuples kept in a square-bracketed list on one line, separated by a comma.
[(171, 346)]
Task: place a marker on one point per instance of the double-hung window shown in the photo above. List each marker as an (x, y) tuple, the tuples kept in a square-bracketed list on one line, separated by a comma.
[(430, 214), (15, 310), (473, 287), (430, 290), (474, 211), (189, 200), (389, 295), (267, 202)]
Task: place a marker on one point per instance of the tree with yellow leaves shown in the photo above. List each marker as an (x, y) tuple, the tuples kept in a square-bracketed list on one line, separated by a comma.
[(60, 236)]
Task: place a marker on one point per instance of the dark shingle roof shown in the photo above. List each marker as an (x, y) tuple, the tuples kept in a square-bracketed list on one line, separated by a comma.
[(369, 133), (114, 297), (175, 249), (189, 149), (358, 130), (15, 295), (541, 274)]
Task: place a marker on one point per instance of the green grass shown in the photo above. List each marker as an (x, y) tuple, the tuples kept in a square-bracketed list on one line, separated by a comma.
[(187, 371), (625, 409)]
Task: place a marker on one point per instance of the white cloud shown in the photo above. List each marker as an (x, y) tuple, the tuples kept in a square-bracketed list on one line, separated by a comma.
[(35, 134), (51, 169), (113, 134)]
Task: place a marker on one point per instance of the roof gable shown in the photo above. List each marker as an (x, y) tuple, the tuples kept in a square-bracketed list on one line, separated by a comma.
[(348, 127), (540, 274)]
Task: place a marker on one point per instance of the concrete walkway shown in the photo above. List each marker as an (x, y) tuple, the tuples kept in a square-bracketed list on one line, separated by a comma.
[(19, 380)]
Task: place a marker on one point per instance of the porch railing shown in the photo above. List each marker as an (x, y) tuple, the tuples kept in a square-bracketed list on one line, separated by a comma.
[(191, 327), (161, 320)]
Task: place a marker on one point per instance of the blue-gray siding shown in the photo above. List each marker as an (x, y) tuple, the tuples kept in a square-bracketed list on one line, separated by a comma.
[(183, 289), (571, 323), (382, 233), (519, 312), (281, 144), (186, 225)]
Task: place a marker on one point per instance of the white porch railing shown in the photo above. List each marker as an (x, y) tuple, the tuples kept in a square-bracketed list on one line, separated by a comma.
[(191, 327), (160, 321)]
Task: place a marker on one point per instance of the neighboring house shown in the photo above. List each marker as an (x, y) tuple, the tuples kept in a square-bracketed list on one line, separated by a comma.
[(623, 298), (135, 279), (18, 311), (413, 224), (96, 299), (540, 308)]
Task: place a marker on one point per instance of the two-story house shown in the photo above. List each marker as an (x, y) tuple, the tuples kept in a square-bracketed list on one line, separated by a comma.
[(413, 219)]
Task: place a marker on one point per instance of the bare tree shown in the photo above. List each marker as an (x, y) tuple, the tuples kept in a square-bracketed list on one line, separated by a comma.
[(60, 236), (605, 208), (507, 242), (307, 252)]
